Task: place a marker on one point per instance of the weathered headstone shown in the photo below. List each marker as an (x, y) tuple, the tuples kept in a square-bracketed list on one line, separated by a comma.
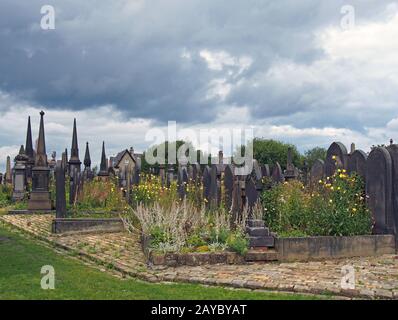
[(393, 150), (206, 178), (277, 175), (8, 176), (237, 201), (251, 194), (19, 179), (357, 163), (214, 187), (291, 171), (170, 176), (182, 181), (60, 203), (265, 170), (336, 158), (379, 189), (256, 172), (195, 172), (229, 181), (317, 171)]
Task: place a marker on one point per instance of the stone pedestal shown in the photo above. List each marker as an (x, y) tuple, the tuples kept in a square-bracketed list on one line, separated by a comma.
[(39, 200), (40, 195)]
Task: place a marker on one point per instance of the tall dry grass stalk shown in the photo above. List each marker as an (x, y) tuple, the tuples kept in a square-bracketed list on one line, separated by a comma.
[(180, 220)]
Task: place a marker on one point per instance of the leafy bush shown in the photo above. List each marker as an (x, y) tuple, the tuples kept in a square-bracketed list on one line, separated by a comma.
[(336, 207), (99, 195), (238, 242), (5, 195)]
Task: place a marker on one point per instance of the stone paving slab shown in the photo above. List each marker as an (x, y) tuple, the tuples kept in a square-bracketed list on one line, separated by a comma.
[(375, 277)]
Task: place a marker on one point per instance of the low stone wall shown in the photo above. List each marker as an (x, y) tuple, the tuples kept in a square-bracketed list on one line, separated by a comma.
[(86, 225), (321, 248), (189, 259)]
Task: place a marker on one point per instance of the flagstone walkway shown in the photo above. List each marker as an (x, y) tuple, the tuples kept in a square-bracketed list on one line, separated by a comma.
[(375, 277)]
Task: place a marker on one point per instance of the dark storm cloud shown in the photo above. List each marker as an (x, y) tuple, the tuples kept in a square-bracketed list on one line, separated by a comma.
[(129, 54)]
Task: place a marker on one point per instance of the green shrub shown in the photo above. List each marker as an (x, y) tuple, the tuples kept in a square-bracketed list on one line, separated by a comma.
[(238, 242), (335, 207), (5, 195)]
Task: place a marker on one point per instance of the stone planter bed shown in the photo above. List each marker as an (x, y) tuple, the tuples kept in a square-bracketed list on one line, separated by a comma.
[(188, 259), (86, 225)]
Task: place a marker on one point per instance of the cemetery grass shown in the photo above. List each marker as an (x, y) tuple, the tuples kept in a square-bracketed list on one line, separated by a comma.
[(20, 278)]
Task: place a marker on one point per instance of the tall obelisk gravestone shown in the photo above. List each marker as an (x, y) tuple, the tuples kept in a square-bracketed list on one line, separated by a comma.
[(40, 195)]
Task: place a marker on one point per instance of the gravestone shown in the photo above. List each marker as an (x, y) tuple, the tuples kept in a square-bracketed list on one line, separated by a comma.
[(336, 158), (237, 201), (214, 187), (19, 179), (357, 163), (170, 176), (40, 198), (257, 174), (229, 181), (8, 176), (60, 202), (317, 171), (379, 189), (291, 171), (277, 176), (251, 194), (206, 178), (393, 150), (195, 172), (182, 181), (265, 171)]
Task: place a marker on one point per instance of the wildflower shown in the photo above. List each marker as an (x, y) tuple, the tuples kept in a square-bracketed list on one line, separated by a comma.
[(330, 201)]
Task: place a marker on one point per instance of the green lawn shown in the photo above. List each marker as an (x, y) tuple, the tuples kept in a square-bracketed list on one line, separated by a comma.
[(21, 260)]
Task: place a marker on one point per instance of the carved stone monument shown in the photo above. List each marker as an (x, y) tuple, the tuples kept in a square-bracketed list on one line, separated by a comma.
[(40, 195)]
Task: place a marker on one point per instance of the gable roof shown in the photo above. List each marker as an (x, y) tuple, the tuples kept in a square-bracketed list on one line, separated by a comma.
[(119, 157)]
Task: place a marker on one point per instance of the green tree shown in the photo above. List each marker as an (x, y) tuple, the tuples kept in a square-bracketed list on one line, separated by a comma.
[(164, 146), (313, 154), (267, 151)]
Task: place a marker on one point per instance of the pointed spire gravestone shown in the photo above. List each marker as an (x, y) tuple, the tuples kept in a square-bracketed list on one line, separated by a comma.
[(103, 173), (40, 195), (29, 151), (74, 161), (87, 163)]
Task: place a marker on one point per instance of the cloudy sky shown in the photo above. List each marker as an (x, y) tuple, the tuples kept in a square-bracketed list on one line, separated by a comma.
[(286, 68)]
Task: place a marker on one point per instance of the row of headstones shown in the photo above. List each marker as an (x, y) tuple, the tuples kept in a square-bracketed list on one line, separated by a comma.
[(239, 190), (379, 170)]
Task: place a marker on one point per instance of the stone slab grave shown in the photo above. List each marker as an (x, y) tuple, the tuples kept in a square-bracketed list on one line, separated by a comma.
[(86, 225)]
